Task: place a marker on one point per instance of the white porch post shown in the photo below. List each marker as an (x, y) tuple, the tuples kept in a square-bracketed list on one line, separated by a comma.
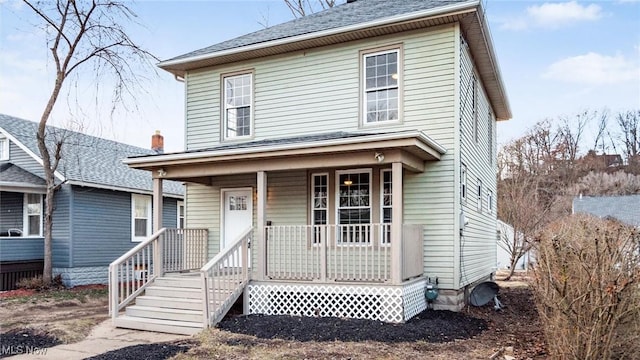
[(157, 225), (396, 223), (261, 223)]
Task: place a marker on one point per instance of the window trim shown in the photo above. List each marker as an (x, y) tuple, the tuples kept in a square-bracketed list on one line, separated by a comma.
[(312, 208), (4, 146), (398, 48), (490, 201), (25, 215), (148, 199), (479, 204), (463, 183), (223, 105), (369, 171), (382, 206), (178, 213)]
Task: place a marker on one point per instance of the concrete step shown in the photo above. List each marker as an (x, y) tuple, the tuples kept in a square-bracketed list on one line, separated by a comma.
[(169, 292), (193, 282), (164, 326), (164, 313), (169, 302)]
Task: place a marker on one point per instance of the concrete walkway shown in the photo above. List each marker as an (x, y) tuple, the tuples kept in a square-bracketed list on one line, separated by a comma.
[(103, 338)]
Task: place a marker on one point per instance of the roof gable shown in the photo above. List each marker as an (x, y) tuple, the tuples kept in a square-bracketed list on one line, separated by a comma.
[(88, 160)]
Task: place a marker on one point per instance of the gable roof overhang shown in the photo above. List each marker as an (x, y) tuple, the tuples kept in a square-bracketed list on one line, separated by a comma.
[(468, 14), (411, 148)]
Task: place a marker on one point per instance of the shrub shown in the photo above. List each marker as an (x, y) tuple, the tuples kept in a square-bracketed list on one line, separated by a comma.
[(37, 283), (587, 288)]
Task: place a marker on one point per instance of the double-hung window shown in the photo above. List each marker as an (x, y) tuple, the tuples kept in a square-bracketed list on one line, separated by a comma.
[(180, 209), (381, 90), (140, 217), (354, 207), (386, 206), (237, 106), (32, 215), (319, 204)]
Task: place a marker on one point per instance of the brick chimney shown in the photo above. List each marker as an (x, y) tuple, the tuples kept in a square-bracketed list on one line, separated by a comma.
[(157, 142)]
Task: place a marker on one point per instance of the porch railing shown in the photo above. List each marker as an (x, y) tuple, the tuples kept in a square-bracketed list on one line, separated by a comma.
[(356, 252), (224, 278), (165, 251)]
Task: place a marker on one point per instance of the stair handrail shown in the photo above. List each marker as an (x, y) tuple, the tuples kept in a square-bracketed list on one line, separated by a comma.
[(148, 256), (235, 281)]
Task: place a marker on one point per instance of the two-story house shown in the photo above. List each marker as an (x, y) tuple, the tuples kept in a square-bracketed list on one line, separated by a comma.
[(355, 148), (102, 207)]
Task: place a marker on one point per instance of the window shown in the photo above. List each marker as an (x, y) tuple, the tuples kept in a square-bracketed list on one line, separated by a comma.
[(237, 106), (474, 107), (490, 137), (354, 207), (386, 205), (237, 203), (319, 204), (141, 217), (490, 201), (381, 86), (463, 182), (32, 215), (479, 195), (180, 209), (4, 148)]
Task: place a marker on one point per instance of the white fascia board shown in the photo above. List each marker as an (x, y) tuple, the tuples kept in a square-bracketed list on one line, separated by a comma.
[(123, 189), (13, 186), (29, 152), (444, 10), (272, 148)]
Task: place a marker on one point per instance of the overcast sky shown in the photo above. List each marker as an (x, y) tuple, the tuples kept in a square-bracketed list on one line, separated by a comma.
[(556, 58)]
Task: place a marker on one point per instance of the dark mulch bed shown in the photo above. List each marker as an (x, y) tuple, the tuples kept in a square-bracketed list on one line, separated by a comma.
[(430, 326), (157, 351), (15, 342)]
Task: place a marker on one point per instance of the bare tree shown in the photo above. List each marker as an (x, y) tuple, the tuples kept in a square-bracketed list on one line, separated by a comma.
[(300, 8), (629, 123), (82, 35)]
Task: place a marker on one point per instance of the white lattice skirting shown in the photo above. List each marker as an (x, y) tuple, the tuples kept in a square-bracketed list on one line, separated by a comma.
[(377, 302)]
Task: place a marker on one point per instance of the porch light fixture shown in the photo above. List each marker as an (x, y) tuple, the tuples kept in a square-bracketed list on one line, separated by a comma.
[(348, 182), (161, 172), (379, 157)]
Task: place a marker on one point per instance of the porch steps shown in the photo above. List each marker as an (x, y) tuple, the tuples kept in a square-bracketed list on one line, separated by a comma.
[(172, 304)]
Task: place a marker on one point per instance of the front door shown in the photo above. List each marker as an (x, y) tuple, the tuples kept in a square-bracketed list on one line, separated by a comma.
[(238, 214)]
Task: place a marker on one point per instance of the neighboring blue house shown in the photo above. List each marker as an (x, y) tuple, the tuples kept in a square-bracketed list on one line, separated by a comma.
[(102, 208), (624, 208)]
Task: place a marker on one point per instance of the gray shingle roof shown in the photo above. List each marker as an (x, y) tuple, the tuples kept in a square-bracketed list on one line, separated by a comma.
[(358, 12), (12, 173), (623, 208), (89, 159)]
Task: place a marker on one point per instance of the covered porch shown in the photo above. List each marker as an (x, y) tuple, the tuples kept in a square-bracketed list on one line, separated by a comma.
[(325, 219)]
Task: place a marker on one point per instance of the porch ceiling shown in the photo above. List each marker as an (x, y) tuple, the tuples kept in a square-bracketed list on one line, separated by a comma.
[(411, 148)]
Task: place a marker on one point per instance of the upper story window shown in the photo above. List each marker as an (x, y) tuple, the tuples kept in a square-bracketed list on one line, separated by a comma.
[(32, 215), (237, 105), (4, 148), (474, 107), (490, 141), (140, 217), (381, 75)]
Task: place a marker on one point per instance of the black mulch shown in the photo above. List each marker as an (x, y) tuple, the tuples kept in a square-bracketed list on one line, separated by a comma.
[(22, 341), (431, 326), (157, 351)]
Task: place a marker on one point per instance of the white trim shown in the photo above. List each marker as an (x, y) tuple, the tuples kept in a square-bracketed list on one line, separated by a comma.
[(4, 147), (223, 106), (382, 206), (11, 186), (37, 158), (337, 200), (184, 214), (460, 7), (25, 215), (479, 195), (123, 189), (148, 200), (288, 146), (364, 91)]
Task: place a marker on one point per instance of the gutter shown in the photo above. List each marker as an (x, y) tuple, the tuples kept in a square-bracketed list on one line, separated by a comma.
[(448, 10), (263, 149)]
